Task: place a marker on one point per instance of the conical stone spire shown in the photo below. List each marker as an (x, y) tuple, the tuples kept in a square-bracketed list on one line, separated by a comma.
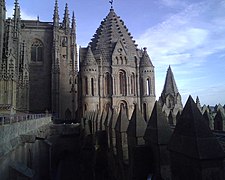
[(170, 86), (192, 135), (170, 98), (90, 59), (145, 60)]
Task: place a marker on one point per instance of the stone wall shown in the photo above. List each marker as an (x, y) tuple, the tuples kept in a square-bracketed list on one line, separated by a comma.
[(22, 149)]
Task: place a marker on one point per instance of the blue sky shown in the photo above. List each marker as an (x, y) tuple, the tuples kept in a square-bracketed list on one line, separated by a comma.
[(189, 35)]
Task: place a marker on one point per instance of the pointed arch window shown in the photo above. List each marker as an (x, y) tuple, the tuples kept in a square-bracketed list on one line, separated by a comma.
[(37, 50), (123, 104), (123, 83)]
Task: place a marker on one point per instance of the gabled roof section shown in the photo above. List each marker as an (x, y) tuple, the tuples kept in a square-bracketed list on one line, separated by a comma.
[(119, 48), (170, 86), (192, 136), (145, 60), (89, 59), (158, 130), (111, 30), (137, 124)]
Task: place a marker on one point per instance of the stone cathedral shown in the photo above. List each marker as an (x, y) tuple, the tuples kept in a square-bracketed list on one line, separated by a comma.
[(39, 68)]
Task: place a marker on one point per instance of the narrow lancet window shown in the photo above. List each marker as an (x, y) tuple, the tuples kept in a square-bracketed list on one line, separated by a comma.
[(123, 83)]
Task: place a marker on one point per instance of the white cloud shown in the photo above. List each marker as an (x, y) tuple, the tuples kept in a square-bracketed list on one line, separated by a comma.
[(173, 3), (24, 15), (186, 40)]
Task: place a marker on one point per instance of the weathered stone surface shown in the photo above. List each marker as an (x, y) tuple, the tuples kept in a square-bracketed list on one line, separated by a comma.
[(158, 130), (192, 135)]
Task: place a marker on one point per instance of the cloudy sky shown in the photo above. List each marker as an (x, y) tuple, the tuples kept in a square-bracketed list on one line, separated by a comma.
[(189, 35)]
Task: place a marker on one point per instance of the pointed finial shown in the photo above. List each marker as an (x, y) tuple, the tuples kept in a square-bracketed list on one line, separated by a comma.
[(16, 10), (16, 2), (66, 21), (111, 2), (56, 14), (73, 21)]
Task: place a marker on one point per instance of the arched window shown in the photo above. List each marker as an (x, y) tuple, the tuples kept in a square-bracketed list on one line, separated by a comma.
[(123, 83), (142, 89), (107, 84), (132, 79), (85, 86), (123, 104), (148, 87), (121, 59), (92, 87), (37, 51)]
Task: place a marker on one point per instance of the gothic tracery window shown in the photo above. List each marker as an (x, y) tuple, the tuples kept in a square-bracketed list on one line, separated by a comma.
[(37, 51)]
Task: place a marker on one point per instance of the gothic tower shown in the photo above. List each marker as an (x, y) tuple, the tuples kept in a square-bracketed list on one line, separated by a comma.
[(147, 88), (115, 79), (170, 98), (64, 60), (10, 58)]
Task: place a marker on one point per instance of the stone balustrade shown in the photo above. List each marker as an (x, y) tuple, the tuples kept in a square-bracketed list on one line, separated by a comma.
[(10, 119)]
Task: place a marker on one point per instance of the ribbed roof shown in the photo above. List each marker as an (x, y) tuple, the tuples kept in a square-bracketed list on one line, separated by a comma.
[(192, 136), (111, 30), (89, 59), (170, 86), (158, 130)]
